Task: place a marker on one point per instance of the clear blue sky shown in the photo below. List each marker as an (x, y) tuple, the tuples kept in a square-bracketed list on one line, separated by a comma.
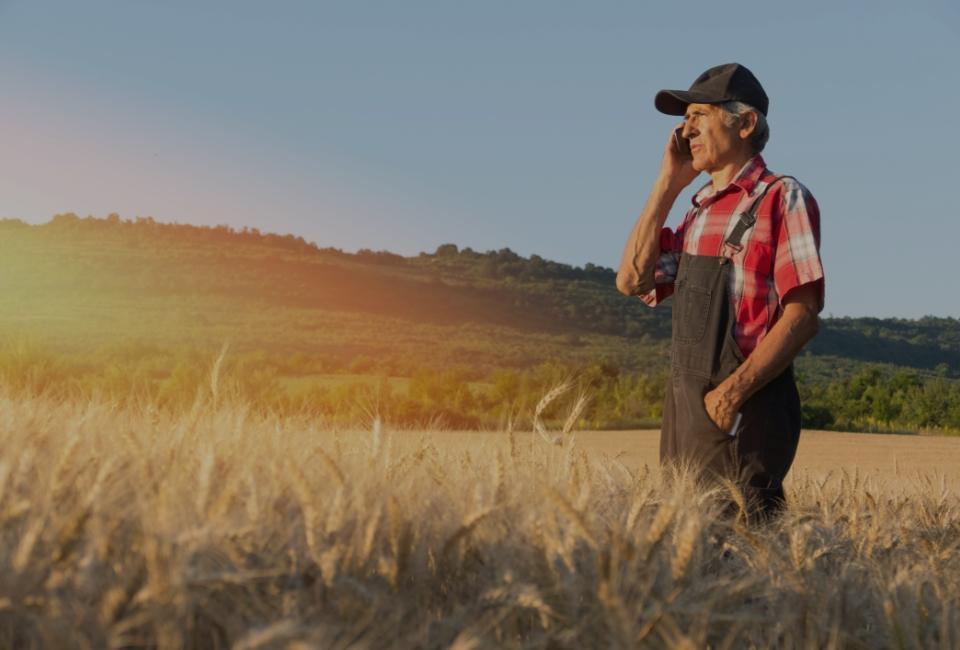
[(527, 124)]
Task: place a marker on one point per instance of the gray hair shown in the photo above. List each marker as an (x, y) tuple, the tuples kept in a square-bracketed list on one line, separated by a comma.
[(761, 133)]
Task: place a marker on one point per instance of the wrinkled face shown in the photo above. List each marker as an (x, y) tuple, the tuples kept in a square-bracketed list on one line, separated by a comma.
[(712, 143)]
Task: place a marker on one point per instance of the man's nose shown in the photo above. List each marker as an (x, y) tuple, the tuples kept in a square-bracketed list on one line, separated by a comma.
[(688, 130)]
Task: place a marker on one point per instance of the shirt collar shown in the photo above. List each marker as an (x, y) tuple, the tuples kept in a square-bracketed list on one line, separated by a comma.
[(746, 179)]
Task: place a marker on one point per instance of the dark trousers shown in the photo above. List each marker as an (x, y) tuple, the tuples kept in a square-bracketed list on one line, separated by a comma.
[(704, 353)]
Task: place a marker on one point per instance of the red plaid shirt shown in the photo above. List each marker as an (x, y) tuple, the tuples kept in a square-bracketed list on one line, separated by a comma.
[(780, 252)]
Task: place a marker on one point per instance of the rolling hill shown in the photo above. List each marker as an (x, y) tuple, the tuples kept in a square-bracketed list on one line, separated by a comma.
[(77, 281), (94, 292)]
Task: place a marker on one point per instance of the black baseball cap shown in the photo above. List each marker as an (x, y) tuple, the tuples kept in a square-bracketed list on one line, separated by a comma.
[(730, 82)]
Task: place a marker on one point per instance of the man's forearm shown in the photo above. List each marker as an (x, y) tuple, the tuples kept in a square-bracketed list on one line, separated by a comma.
[(643, 245), (773, 354)]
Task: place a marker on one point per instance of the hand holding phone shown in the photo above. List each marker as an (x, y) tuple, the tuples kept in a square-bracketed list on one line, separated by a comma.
[(676, 164), (681, 144)]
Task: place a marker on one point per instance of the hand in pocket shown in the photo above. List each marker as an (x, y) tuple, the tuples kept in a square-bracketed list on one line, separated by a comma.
[(720, 409)]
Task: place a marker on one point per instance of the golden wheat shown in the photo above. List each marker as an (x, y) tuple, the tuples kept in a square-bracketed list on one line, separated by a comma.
[(219, 528)]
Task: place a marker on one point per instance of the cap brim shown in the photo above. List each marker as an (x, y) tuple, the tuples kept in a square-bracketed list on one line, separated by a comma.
[(675, 102)]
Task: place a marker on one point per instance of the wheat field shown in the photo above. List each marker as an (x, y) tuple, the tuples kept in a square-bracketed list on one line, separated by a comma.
[(219, 528)]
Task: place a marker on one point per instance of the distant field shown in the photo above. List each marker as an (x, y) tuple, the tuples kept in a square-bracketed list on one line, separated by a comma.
[(880, 456), (303, 383)]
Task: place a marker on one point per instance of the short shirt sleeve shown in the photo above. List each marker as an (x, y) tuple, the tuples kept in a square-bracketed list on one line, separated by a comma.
[(797, 261), (665, 272)]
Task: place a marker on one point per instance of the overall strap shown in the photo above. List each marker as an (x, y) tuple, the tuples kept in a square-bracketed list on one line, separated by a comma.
[(748, 218)]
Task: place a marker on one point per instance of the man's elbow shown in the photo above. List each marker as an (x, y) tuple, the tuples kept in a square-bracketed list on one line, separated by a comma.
[(810, 322), (631, 285), (803, 307), (626, 285)]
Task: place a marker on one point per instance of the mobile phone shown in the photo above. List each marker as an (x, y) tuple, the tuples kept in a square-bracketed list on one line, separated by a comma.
[(736, 425), (681, 143)]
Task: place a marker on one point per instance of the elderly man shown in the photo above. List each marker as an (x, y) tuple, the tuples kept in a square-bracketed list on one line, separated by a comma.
[(745, 269)]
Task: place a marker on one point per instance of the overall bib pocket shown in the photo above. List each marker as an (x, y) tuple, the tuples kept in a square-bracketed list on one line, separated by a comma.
[(690, 313)]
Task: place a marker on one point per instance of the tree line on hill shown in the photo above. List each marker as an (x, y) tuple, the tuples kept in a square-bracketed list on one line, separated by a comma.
[(498, 285), (870, 398)]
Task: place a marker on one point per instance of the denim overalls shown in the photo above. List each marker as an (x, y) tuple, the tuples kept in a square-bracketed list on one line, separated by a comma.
[(704, 353)]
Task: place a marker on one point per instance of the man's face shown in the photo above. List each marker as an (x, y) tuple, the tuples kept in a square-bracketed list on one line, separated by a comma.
[(712, 143)]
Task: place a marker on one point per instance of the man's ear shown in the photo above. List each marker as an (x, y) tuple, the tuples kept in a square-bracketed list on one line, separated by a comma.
[(748, 124)]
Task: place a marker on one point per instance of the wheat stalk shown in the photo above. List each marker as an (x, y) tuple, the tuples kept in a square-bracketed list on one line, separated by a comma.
[(466, 527), (661, 521), (331, 465), (215, 371), (578, 406), (574, 515), (684, 545), (544, 402)]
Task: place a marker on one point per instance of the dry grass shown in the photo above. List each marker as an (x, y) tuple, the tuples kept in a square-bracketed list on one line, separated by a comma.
[(219, 529)]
